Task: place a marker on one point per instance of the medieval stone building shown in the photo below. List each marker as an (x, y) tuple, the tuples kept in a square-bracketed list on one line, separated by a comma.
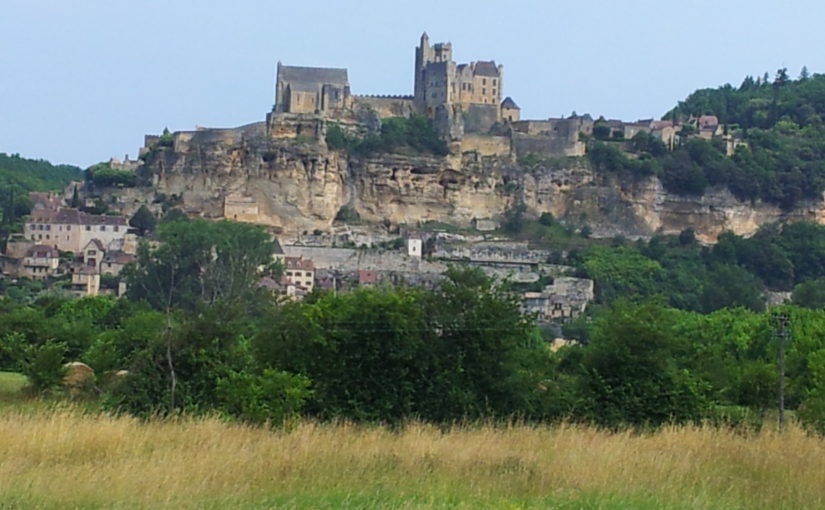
[(443, 88), (311, 89)]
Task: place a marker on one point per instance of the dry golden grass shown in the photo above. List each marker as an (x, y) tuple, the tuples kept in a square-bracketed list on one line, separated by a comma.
[(65, 459)]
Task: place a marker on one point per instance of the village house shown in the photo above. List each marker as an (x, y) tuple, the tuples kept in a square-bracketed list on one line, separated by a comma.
[(632, 129), (93, 254), (708, 126), (71, 230), (114, 261), (41, 261), (45, 200), (85, 281), (565, 299), (665, 131), (367, 278), (300, 272)]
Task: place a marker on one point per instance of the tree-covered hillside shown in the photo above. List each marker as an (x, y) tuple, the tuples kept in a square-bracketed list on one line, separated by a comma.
[(781, 157), (19, 176), (761, 102), (35, 174)]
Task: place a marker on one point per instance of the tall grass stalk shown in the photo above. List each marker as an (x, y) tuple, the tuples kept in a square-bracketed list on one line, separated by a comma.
[(62, 458)]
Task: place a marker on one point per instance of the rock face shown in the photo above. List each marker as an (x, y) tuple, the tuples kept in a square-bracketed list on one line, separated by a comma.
[(298, 185)]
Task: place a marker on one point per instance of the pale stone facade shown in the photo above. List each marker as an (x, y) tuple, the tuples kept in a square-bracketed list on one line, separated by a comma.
[(311, 89), (300, 271), (85, 282), (565, 299), (440, 82), (40, 262), (71, 230), (240, 207)]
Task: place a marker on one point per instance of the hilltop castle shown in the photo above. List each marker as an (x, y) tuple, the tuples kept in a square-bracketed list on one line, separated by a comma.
[(460, 97)]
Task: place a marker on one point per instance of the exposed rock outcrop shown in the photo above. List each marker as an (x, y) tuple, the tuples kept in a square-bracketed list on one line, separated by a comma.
[(298, 185)]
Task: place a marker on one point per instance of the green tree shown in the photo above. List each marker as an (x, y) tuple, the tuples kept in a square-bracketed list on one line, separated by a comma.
[(631, 374), (809, 294), (621, 271), (732, 286), (513, 220), (75, 201), (143, 220), (199, 262)]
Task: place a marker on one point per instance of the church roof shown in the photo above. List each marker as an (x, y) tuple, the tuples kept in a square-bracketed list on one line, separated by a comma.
[(303, 77), (509, 103)]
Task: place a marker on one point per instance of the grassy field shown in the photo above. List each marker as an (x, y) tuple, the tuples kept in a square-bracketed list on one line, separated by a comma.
[(11, 384), (64, 458)]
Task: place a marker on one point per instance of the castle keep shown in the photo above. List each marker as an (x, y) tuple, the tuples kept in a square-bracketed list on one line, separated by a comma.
[(472, 90), (462, 97)]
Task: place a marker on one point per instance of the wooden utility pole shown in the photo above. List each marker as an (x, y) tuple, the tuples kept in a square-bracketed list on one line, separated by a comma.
[(782, 322)]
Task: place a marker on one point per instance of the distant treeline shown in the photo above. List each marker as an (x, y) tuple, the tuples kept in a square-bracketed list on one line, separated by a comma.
[(781, 121), (197, 335)]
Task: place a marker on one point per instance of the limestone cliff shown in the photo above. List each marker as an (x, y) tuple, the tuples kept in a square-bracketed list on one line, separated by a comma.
[(297, 184)]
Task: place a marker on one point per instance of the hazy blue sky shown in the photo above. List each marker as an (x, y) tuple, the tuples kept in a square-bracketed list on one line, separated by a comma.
[(84, 80)]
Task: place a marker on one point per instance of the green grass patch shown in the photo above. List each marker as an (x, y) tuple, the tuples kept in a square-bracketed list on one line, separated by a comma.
[(12, 385)]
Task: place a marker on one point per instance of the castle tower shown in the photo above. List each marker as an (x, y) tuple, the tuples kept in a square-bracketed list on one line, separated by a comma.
[(422, 56)]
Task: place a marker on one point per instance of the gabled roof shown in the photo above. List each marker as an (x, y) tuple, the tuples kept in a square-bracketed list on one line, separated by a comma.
[(305, 77), (118, 257), (96, 244), (276, 247), (68, 215), (509, 103), (298, 263), (42, 251), (486, 68), (661, 124), (708, 121)]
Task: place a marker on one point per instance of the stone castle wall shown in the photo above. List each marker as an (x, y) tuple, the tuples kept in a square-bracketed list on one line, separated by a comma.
[(386, 106), (486, 145)]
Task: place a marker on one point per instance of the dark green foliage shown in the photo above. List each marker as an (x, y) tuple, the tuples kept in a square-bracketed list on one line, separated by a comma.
[(622, 272), (270, 397), (461, 351), (731, 286), (753, 106), (336, 138), (783, 127), (546, 219), (687, 237), (810, 294), (143, 220), (199, 262), (179, 368), (19, 176), (35, 175), (103, 175), (75, 200), (643, 142), (414, 135), (632, 370), (601, 131), (174, 214), (347, 214), (513, 220)]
